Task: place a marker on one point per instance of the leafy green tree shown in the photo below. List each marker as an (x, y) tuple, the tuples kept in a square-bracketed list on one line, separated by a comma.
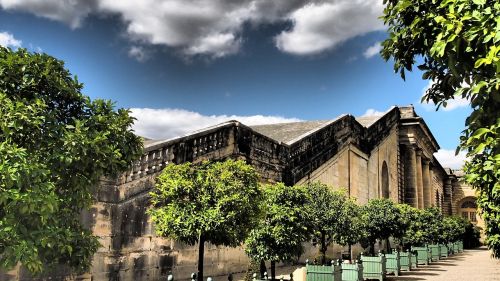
[(353, 229), (410, 234), (430, 224), (285, 225), (382, 220), (55, 144), (453, 229), (457, 46), (326, 209), (216, 202)]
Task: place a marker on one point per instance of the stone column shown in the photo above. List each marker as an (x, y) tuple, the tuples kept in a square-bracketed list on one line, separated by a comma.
[(420, 187), (432, 193), (426, 182), (410, 176), (447, 190)]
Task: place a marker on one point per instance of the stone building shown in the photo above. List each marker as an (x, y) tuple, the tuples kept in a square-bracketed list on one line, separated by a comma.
[(389, 156)]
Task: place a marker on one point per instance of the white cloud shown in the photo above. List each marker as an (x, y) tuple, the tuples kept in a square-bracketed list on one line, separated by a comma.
[(168, 123), (138, 53), (8, 40), (214, 27), (451, 104), (71, 12), (375, 113), (322, 26), (372, 50), (448, 159)]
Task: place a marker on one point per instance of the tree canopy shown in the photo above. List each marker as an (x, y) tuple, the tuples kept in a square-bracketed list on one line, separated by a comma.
[(216, 202), (326, 209), (285, 224), (55, 144), (382, 219), (456, 43)]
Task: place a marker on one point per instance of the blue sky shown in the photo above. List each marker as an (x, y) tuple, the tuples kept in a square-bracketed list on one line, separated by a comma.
[(181, 65)]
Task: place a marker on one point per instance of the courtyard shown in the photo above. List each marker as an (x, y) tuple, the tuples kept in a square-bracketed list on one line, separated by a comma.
[(471, 265)]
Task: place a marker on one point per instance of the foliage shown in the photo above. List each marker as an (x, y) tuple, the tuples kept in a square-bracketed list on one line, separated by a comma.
[(285, 225), (216, 202), (217, 199), (411, 232), (55, 144), (328, 218), (353, 228), (381, 219), (459, 43), (453, 229), (471, 235), (424, 225)]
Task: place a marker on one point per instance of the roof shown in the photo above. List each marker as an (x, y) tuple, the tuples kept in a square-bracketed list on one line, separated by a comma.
[(367, 121), (287, 132)]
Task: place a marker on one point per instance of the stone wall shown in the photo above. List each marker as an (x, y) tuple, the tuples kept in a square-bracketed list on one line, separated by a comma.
[(341, 154)]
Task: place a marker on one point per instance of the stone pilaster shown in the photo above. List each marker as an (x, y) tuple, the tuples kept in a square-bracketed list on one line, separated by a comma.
[(447, 189), (427, 183), (420, 187), (410, 175)]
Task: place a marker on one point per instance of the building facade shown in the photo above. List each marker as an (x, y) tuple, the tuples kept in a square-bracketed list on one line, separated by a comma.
[(389, 156)]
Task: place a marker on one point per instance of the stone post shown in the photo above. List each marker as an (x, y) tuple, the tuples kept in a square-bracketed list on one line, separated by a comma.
[(410, 176), (420, 187), (426, 181), (447, 190)]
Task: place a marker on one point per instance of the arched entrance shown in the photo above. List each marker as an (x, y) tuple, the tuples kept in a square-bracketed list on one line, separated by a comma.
[(385, 181), (467, 209)]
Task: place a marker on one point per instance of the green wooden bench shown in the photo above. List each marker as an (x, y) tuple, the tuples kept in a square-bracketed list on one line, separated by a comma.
[(374, 267), (331, 272), (352, 271)]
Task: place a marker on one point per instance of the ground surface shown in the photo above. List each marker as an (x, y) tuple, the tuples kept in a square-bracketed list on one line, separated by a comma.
[(471, 265)]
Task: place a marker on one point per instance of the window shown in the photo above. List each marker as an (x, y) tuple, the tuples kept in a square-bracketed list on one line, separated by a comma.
[(465, 215), (385, 181), (468, 210), (472, 216), (469, 204)]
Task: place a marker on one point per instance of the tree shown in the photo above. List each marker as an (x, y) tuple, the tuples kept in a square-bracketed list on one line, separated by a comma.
[(459, 44), (216, 202), (326, 209), (283, 227), (353, 228), (55, 144), (382, 220), (409, 220)]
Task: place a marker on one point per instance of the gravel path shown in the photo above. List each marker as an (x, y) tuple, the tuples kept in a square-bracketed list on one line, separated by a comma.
[(471, 265)]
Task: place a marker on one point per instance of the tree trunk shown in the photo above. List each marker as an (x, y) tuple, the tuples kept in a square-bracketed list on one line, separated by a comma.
[(350, 253), (388, 246), (323, 248), (201, 253), (372, 250), (273, 270), (262, 268)]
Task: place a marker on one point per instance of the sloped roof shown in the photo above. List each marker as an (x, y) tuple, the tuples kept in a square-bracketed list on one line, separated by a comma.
[(287, 132), (367, 121)]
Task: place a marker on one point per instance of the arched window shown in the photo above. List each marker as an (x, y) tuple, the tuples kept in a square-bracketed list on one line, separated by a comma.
[(469, 204), (468, 210), (385, 181)]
